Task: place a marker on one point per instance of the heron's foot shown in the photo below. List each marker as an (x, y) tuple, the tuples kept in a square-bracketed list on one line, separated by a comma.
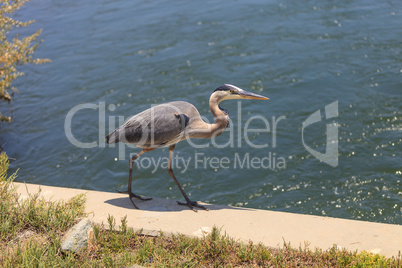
[(121, 192), (131, 195), (139, 197), (135, 196), (191, 205), (132, 202)]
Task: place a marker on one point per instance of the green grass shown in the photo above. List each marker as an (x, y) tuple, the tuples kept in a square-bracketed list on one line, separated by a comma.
[(31, 231)]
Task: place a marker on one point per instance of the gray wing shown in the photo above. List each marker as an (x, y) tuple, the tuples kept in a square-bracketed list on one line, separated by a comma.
[(158, 126)]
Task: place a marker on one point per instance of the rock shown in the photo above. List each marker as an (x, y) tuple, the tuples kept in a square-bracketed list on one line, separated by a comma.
[(78, 236)]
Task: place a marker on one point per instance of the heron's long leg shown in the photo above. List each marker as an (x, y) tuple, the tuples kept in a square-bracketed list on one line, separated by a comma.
[(130, 178), (190, 204)]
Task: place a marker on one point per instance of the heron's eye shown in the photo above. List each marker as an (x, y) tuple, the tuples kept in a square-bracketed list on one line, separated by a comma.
[(232, 91)]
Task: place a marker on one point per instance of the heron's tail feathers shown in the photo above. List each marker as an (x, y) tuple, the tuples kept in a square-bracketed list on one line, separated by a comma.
[(113, 137)]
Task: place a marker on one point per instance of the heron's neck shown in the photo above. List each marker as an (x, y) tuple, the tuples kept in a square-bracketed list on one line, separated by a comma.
[(204, 130), (221, 117)]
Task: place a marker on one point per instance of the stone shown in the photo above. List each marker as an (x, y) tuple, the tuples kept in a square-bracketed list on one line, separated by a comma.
[(78, 236)]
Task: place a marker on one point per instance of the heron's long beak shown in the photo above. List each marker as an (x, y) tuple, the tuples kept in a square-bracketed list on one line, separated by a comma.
[(248, 95)]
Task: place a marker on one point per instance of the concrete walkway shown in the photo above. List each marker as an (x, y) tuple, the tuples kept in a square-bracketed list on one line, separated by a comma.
[(269, 227)]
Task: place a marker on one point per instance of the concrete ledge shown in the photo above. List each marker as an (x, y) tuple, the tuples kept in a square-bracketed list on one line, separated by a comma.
[(271, 228)]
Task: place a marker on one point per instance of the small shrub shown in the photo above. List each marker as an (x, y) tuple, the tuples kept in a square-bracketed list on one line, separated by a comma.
[(18, 51)]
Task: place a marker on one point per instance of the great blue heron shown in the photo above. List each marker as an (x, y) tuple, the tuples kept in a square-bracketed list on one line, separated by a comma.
[(167, 124)]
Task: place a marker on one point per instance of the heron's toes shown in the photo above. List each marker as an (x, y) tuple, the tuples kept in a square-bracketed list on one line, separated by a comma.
[(131, 195), (139, 197), (121, 192), (134, 195), (191, 205), (132, 202), (144, 198)]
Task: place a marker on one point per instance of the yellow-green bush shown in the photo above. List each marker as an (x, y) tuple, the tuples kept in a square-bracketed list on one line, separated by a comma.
[(14, 52)]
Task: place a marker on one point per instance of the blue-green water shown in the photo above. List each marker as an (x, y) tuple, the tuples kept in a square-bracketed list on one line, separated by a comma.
[(303, 55)]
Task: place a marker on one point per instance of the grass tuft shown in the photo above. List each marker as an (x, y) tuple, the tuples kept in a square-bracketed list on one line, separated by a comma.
[(34, 212)]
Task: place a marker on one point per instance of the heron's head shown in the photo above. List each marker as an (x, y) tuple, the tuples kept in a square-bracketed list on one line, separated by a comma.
[(230, 92)]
